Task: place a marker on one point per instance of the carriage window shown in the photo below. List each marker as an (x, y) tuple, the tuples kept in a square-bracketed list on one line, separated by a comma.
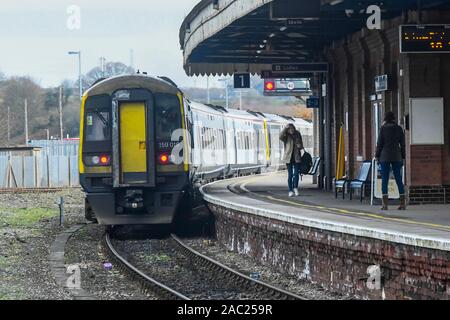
[(168, 116), (98, 126)]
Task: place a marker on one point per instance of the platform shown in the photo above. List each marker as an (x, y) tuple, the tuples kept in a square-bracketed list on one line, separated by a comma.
[(266, 195), (333, 242)]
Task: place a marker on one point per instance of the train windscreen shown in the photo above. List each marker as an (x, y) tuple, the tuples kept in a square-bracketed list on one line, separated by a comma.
[(168, 116), (98, 126)]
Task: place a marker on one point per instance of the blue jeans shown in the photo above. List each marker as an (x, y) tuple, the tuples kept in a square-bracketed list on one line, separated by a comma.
[(386, 172), (293, 176)]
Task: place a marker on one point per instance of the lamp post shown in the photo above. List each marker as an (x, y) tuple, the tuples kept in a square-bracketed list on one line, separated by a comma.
[(79, 70)]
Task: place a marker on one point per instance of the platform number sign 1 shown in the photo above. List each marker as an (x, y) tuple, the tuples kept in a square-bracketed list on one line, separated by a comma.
[(242, 81)]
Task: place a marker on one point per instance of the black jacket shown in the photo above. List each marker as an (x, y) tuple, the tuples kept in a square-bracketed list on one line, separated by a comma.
[(391, 143)]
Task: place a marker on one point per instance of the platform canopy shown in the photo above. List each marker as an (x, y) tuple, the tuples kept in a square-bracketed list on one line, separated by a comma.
[(227, 36)]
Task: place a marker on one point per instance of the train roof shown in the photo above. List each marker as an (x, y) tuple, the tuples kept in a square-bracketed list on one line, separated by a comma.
[(303, 122), (111, 85), (233, 113), (275, 118), (204, 108)]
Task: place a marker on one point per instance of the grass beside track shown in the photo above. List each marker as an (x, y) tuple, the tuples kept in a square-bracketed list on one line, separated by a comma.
[(24, 218), (18, 225)]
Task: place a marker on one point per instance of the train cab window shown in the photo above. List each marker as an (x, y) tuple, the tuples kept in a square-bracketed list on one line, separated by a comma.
[(168, 116), (98, 126)]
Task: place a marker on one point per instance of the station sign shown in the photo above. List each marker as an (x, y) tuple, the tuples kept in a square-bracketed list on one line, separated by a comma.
[(242, 81), (287, 87), (300, 68), (425, 38), (313, 103), (381, 83)]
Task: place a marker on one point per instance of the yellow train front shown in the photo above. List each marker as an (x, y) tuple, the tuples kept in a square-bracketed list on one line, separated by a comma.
[(127, 164)]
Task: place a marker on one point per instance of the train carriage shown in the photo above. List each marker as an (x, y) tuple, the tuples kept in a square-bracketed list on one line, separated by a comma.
[(209, 150), (126, 145), (144, 147), (275, 124), (248, 131)]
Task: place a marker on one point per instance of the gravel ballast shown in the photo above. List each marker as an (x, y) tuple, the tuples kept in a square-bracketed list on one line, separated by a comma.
[(162, 260), (29, 223), (85, 250), (249, 267)]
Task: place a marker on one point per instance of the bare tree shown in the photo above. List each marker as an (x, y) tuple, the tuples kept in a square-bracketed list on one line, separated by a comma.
[(13, 93), (111, 69)]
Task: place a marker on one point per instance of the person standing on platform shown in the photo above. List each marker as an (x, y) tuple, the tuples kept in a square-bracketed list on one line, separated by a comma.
[(293, 146), (391, 155)]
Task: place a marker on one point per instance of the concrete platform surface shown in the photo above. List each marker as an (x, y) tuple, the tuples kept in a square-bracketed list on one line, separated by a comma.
[(267, 195)]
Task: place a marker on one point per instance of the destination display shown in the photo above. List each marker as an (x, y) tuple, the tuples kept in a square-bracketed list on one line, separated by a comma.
[(287, 87), (425, 38)]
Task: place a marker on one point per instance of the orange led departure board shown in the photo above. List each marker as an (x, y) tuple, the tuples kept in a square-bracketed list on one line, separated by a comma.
[(425, 38)]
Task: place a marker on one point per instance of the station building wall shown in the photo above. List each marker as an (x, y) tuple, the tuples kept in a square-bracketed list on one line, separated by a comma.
[(356, 61)]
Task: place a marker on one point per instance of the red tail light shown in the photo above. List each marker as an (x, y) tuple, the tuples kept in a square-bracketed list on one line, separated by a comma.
[(164, 159), (105, 160)]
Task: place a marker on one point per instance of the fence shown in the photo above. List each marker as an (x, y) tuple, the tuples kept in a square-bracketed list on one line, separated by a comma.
[(38, 172), (57, 147), (55, 166)]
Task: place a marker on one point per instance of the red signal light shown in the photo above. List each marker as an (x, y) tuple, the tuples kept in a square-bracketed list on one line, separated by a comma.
[(269, 85)]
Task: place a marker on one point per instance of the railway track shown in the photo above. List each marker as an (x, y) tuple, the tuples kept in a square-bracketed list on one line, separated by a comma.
[(147, 283), (221, 275)]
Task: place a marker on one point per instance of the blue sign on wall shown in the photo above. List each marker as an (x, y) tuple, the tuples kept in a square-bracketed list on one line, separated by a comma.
[(313, 103)]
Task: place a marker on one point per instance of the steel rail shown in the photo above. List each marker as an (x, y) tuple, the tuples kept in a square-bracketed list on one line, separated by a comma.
[(236, 277), (147, 282)]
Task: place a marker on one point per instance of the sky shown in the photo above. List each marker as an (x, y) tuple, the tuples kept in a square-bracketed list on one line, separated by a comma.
[(35, 37)]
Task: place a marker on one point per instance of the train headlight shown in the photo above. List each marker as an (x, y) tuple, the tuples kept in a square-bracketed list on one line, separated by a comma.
[(95, 160), (98, 160)]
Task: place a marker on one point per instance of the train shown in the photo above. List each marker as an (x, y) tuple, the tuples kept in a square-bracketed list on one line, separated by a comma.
[(145, 148)]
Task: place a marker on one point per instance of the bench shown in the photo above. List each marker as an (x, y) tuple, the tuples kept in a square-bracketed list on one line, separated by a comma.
[(359, 183)]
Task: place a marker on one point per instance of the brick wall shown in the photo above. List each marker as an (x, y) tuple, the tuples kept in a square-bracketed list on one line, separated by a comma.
[(426, 166), (428, 195), (356, 60), (447, 194), (336, 261)]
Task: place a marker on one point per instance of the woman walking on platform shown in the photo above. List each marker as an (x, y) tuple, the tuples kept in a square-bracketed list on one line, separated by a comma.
[(391, 154), (293, 146)]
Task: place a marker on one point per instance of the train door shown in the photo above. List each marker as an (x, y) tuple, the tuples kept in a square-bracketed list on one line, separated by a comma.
[(133, 143), (231, 142)]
